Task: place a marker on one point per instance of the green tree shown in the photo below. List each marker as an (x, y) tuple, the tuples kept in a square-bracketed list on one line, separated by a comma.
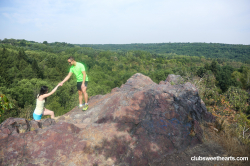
[(23, 43), (54, 105), (22, 55), (5, 105), (237, 98), (38, 73), (201, 71), (245, 79), (26, 90), (214, 67), (28, 73)]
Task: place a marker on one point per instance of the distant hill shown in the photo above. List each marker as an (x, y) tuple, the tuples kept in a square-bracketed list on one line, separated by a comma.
[(236, 52), (208, 50)]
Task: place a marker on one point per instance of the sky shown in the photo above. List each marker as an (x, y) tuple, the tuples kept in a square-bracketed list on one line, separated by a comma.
[(126, 21)]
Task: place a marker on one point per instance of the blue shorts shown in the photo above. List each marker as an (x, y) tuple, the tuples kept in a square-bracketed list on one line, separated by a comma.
[(37, 117)]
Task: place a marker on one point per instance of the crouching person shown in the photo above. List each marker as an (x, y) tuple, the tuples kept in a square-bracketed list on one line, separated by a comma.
[(40, 110)]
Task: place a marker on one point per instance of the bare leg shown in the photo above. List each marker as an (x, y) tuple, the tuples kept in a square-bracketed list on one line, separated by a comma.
[(48, 112), (84, 91), (80, 96)]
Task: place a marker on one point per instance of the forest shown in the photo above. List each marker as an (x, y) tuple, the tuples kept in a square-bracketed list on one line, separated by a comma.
[(220, 71), (208, 50), (236, 52)]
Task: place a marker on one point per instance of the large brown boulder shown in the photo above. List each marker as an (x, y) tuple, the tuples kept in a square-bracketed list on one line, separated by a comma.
[(140, 123)]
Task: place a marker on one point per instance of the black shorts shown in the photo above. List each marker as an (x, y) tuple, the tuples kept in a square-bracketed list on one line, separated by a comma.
[(79, 84)]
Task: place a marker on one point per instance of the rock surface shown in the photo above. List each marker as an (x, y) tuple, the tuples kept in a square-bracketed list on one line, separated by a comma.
[(140, 123), (174, 79)]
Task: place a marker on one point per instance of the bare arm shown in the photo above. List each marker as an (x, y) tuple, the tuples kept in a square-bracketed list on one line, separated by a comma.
[(84, 76), (66, 78), (48, 94)]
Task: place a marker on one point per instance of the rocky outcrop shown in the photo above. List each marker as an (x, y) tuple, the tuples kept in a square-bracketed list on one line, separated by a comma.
[(140, 123), (14, 126), (174, 79)]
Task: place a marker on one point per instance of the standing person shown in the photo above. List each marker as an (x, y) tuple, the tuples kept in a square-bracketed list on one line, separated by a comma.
[(40, 110), (82, 80)]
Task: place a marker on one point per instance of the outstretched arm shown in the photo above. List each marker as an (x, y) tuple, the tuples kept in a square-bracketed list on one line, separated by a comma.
[(48, 94), (65, 79)]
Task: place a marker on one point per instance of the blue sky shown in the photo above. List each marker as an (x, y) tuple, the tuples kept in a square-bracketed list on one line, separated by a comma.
[(126, 21)]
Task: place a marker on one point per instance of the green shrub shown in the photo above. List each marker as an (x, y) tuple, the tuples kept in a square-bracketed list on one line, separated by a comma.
[(237, 98), (5, 107)]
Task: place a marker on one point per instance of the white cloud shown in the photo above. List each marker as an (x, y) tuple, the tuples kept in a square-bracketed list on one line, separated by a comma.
[(7, 15)]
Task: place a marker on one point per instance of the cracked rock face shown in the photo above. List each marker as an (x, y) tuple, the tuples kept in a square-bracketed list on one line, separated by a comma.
[(139, 123)]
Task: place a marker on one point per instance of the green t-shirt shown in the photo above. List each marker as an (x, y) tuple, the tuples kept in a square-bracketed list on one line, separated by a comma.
[(77, 70)]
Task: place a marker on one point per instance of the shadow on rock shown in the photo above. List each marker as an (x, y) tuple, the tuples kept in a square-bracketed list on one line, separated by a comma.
[(153, 121)]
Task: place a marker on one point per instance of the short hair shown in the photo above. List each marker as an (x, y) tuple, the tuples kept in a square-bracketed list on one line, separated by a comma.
[(71, 58)]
